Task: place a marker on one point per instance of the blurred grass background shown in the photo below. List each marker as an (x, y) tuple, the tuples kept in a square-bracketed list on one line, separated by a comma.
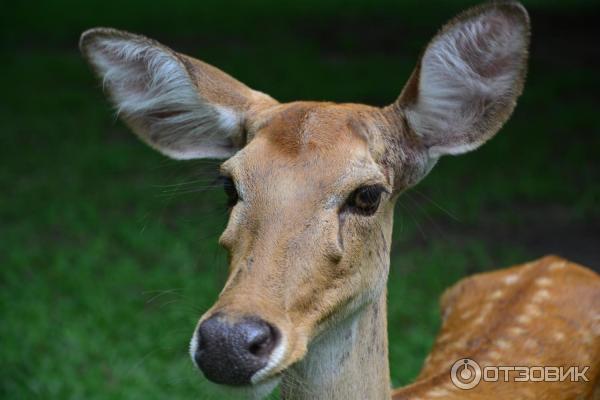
[(108, 250)]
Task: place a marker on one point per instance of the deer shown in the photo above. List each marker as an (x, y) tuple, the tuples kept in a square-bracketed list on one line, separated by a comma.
[(311, 190), (544, 313)]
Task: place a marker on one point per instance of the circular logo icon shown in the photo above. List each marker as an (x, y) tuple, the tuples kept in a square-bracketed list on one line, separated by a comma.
[(465, 374)]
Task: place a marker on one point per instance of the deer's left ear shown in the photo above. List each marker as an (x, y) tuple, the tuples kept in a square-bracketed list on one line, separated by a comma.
[(180, 106), (469, 77)]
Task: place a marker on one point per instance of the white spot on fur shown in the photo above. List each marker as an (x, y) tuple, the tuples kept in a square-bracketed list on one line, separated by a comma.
[(523, 319), (445, 337), (516, 330), (558, 336), (532, 310), (496, 295), (437, 392), (587, 337), (558, 265), (503, 344), (459, 344), (511, 279), (485, 310), (541, 295), (543, 281)]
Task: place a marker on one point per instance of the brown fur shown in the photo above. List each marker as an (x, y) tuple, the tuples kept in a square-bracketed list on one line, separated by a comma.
[(543, 313)]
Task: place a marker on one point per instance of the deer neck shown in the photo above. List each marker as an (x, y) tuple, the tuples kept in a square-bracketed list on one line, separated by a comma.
[(347, 362)]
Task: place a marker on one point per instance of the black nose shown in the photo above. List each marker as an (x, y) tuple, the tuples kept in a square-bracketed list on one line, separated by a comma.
[(231, 352)]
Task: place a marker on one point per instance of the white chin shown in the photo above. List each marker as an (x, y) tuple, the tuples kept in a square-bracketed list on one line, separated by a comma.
[(263, 389), (250, 392)]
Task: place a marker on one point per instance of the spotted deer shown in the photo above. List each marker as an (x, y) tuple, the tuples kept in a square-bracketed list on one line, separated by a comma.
[(545, 313), (312, 187)]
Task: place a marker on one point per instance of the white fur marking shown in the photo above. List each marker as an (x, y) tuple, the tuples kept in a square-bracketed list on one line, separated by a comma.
[(543, 281), (276, 357), (437, 392), (194, 347), (541, 295), (511, 279), (559, 336), (558, 265)]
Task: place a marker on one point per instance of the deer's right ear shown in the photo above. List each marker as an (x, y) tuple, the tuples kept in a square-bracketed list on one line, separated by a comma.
[(180, 106), (467, 82)]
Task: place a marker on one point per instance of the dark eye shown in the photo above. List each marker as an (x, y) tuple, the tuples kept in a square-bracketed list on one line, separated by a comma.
[(365, 200), (230, 190)]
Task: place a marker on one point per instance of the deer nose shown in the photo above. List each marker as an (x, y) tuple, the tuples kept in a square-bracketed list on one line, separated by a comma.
[(231, 352)]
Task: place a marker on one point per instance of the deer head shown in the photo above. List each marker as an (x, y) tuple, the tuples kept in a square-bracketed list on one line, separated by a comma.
[(312, 185)]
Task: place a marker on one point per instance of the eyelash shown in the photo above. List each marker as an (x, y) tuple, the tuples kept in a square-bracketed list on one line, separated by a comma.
[(230, 190), (365, 200)]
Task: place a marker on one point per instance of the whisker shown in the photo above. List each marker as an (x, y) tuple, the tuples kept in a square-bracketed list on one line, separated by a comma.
[(445, 211), (185, 183), (414, 219), (159, 293), (201, 189), (427, 216)]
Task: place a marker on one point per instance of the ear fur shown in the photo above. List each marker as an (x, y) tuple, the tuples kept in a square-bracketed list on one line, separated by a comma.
[(468, 79), (182, 107)]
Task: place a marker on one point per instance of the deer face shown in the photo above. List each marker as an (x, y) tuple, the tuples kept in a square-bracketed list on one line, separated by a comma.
[(311, 185), (309, 214)]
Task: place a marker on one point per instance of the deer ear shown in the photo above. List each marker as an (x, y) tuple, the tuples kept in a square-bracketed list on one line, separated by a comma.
[(182, 107), (468, 79)]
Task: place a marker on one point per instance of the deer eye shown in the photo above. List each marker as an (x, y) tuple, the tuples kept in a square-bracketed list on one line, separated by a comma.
[(365, 200), (230, 190)]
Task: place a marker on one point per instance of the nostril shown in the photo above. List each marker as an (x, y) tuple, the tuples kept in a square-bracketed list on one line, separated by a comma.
[(260, 349), (262, 339)]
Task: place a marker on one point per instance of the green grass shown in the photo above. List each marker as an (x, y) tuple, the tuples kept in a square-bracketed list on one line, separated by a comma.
[(105, 266)]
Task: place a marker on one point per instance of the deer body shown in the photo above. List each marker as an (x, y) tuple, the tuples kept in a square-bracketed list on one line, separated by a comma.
[(542, 313), (312, 187)]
